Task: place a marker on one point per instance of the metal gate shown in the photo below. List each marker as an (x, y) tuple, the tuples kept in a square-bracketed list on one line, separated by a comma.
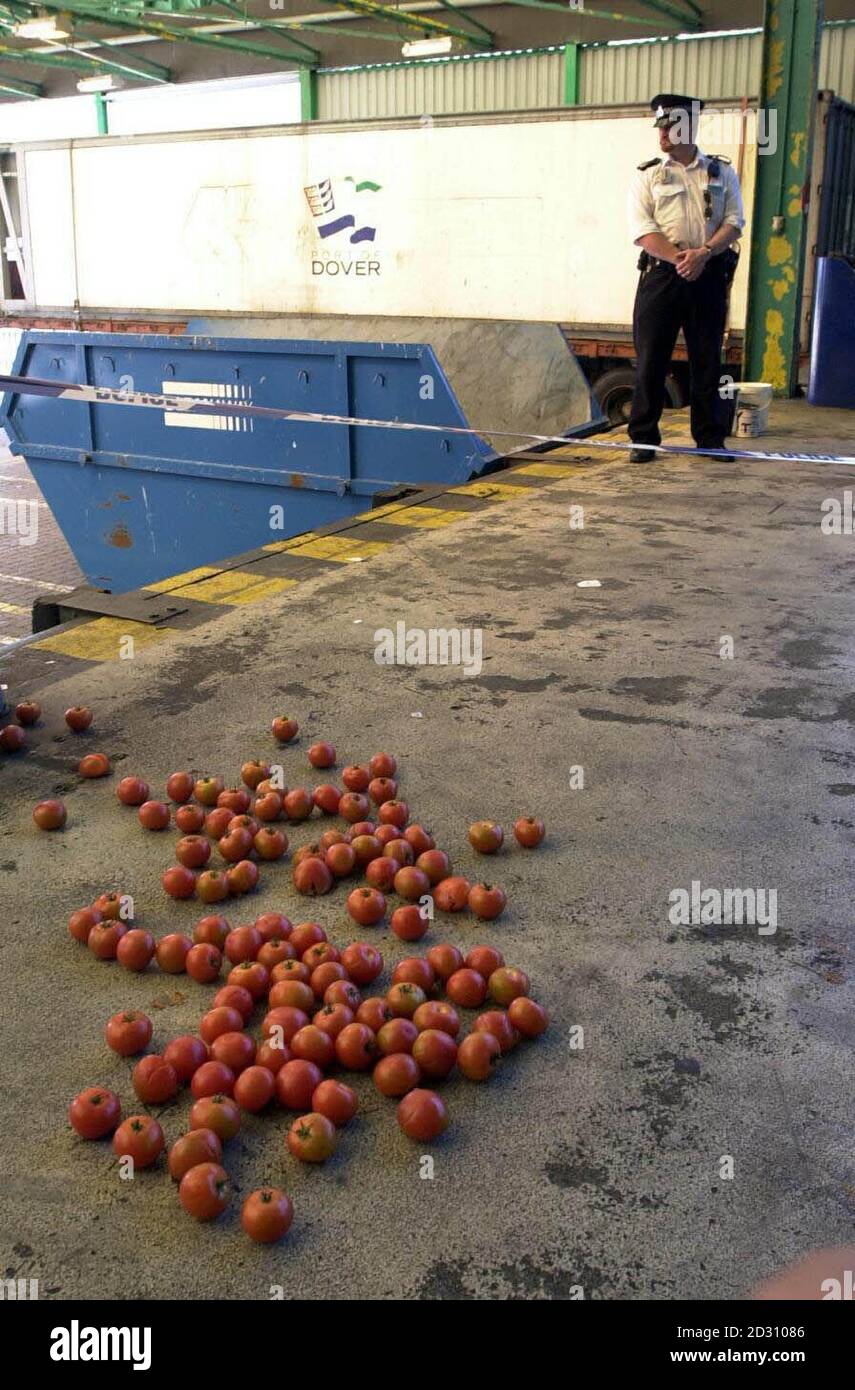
[(837, 215)]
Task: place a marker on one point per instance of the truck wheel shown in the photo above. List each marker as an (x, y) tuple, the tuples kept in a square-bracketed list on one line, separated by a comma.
[(614, 389)]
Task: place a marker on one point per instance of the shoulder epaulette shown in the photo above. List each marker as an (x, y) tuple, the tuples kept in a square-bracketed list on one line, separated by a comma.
[(650, 163)]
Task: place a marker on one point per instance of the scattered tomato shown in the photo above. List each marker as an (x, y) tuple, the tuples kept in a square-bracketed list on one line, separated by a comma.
[(179, 881), (212, 886), (452, 894), (312, 1138), (254, 1088), (179, 786), (336, 1101), (199, 1146), (218, 1113), (132, 791), (396, 1074), (435, 863), (94, 765), (445, 959), (28, 712), (212, 1079), (153, 815), (366, 906), (422, 1115), (499, 1024), (362, 962), (154, 1079), (207, 790), (284, 730), (203, 1191), (436, 1013), (211, 931), (203, 963), (487, 901), (529, 831), (356, 1047), (95, 1112), (507, 983), (354, 806), (486, 836), (414, 970), (105, 938), (190, 819), (266, 1215), (139, 1138), (398, 1035), (466, 988), (50, 815), (186, 1054), (477, 1055), (135, 949), (321, 755), (529, 1018), (172, 952), (436, 1052), (78, 718), (355, 778), (128, 1032), (484, 959), (296, 1083), (81, 922)]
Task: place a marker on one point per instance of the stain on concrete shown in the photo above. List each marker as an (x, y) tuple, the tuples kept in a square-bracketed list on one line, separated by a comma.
[(654, 690), (841, 788), (782, 702), (610, 716), (808, 652)]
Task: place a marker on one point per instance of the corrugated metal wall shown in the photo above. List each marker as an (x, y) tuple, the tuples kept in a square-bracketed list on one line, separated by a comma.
[(609, 74)]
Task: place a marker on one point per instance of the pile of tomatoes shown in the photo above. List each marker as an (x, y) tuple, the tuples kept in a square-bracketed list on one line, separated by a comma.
[(316, 1024), (316, 1019)]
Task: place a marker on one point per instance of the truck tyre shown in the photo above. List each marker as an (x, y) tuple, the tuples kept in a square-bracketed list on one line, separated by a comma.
[(614, 389)]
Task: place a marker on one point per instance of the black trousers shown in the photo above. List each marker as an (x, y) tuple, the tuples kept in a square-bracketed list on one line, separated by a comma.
[(665, 303)]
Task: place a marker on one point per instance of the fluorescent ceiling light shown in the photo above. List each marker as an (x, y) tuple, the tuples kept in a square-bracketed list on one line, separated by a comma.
[(105, 82), (41, 27), (427, 48)]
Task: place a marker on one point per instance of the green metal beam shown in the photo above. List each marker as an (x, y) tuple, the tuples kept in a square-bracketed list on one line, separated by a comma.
[(586, 12), (12, 12), (101, 114), (69, 61), (416, 21), (571, 74), (177, 33), (791, 33), (661, 7), (488, 33), (31, 90), (308, 94), (234, 9)]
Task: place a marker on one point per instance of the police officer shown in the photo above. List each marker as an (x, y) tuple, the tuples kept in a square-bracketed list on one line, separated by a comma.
[(685, 212)]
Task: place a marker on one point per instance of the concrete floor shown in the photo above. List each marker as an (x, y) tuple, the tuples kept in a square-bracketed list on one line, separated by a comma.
[(598, 1167)]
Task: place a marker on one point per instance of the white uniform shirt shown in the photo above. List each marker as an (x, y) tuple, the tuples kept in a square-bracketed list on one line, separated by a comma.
[(669, 198)]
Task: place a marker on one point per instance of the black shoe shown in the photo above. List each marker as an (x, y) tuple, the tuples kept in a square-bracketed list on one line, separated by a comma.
[(642, 455), (720, 457)]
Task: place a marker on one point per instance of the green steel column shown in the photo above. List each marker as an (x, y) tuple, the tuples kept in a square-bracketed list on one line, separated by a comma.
[(571, 74), (101, 109), (791, 33), (308, 94)]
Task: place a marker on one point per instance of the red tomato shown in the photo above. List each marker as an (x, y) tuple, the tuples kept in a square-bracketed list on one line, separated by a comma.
[(422, 1115), (435, 863), (484, 959), (266, 1215), (282, 1022), (436, 1052), (211, 931), (398, 1035), (296, 1083), (373, 1013), (154, 815), (529, 831), (320, 952), (203, 963), (284, 729), (312, 877), (272, 1056), (128, 1033), (382, 765), (321, 755), (414, 970), (343, 992), (360, 827), (207, 789), (527, 1017), (396, 1074), (498, 1023), (104, 939), (199, 1146), (94, 765), (235, 845), (81, 922), (234, 799), (139, 1138), (217, 821), (381, 872), (401, 852), (312, 1138), (190, 819), (507, 983), (486, 836), (298, 804), (179, 882), (362, 962), (466, 988), (366, 906), (109, 905), (437, 1014), (269, 808), (186, 1054), (289, 970), (355, 778), (179, 786), (132, 791), (235, 1050), (154, 1079), (404, 998), (306, 934), (212, 886), (242, 877), (445, 959), (204, 1191), (324, 975), (382, 789), (354, 806), (250, 975), (487, 901), (244, 943), (135, 949), (332, 1018), (412, 884), (235, 997), (295, 994), (387, 833), (356, 1047), (254, 1088), (477, 1055), (340, 860), (270, 844), (336, 1101), (273, 953), (326, 797), (420, 839), (28, 712), (212, 1079), (78, 718), (274, 926), (12, 740), (395, 813), (50, 815), (172, 952), (218, 1113), (95, 1112), (312, 1044), (452, 894), (365, 848)]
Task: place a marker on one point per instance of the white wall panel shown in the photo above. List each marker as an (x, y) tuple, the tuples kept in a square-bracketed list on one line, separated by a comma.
[(227, 105)]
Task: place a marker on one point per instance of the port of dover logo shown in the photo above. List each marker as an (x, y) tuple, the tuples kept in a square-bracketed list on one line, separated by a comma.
[(344, 216)]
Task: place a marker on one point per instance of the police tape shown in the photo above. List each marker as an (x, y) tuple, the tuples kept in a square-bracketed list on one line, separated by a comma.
[(212, 405)]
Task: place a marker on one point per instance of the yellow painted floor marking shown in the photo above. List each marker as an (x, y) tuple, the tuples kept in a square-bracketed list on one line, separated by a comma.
[(546, 470), (343, 549), (500, 492), (163, 586), (427, 518), (293, 544), (102, 639), (234, 587)]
